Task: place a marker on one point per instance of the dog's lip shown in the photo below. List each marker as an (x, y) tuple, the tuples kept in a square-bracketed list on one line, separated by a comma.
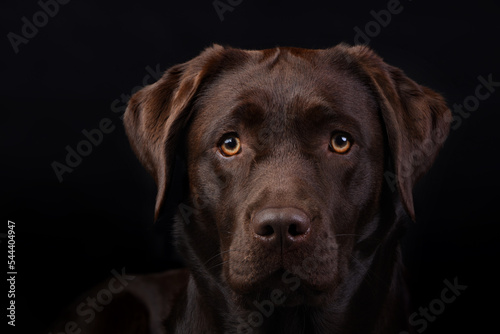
[(285, 279), (294, 292)]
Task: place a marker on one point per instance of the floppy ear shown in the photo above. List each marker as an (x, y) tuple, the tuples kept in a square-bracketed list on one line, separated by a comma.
[(157, 113), (416, 119)]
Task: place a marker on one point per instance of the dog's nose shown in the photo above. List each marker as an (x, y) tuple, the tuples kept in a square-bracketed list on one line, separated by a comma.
[(281, 226)]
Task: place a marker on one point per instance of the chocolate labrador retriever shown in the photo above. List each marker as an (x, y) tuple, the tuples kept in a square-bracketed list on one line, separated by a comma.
[(289, 225)]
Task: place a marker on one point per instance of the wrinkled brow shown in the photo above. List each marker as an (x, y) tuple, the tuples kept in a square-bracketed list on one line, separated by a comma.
[(322, 114), (248, 113), (243, 114)]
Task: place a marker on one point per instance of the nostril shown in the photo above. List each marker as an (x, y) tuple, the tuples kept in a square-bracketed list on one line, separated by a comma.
[(299, 228), (265, 230), (293, 230)]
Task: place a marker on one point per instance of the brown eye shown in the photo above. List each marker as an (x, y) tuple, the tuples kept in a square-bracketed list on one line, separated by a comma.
[(340, 142), (230, 145)]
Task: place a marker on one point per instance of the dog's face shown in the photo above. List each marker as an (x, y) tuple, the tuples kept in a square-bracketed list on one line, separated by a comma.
[(285, 158), (285, 152)]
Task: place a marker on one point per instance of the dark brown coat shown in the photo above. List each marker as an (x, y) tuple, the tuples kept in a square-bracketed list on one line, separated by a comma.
[(287, 233)]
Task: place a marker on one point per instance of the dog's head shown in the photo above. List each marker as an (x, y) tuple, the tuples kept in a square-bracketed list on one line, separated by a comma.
[(286, 151)]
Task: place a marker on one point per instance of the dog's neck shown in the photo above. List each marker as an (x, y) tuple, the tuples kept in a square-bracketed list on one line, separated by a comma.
[(375, 283)]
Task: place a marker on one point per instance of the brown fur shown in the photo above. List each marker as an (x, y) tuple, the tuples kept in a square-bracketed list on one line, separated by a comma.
[(344, 274)]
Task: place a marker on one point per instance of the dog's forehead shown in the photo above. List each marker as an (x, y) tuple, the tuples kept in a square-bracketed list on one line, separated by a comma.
[(286, 83)]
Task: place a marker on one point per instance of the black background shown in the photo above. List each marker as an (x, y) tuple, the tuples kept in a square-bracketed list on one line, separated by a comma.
[(71, 234)]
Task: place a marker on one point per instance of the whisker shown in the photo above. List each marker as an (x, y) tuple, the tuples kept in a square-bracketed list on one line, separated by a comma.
[(217, 265), (219, 254)]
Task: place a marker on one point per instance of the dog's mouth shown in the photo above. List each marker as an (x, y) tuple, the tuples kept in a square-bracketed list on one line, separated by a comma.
[(301, 275), (286, 289), (287, 285)]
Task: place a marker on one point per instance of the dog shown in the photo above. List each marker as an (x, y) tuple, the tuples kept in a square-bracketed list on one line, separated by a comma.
[(300, 166)]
